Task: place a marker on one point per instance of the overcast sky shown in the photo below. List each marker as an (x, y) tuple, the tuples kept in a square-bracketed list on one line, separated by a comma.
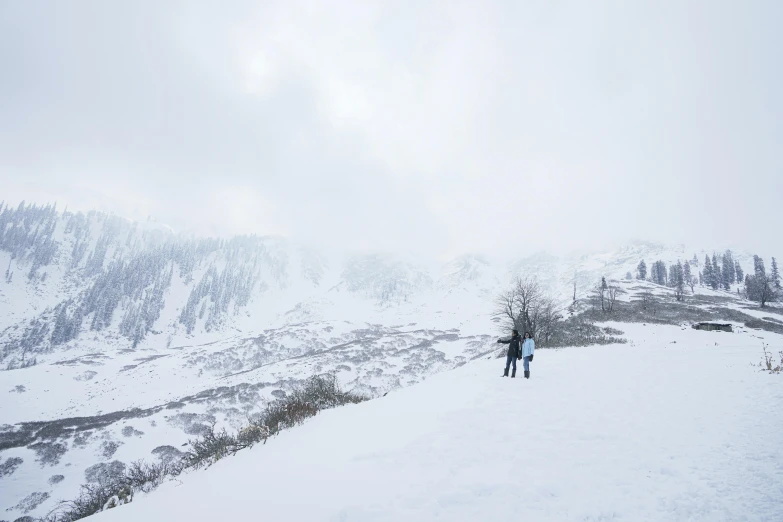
[(437, 127)]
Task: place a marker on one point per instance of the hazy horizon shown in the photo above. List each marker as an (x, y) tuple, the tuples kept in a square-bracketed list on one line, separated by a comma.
[(497, 128), (507, 256)]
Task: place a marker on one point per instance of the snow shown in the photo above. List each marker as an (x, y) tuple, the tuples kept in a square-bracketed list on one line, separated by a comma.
[(676, 425), (379, 322)]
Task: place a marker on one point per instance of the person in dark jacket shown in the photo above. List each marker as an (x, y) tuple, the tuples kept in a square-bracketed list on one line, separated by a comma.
[(514, 353)]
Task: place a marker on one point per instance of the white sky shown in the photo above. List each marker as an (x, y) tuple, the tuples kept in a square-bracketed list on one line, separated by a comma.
[(434, 127)]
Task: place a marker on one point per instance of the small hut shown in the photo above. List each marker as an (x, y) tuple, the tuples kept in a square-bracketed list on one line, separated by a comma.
[(713, 327)]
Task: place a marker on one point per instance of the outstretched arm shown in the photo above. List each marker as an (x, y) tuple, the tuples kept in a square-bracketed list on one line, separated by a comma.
[(504, 341)]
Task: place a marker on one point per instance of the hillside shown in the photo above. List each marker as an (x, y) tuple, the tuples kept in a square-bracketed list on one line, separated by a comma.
[(675, 426), (123, 341)]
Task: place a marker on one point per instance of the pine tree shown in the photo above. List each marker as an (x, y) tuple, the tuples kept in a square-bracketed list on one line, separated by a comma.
[(641, 270), (728, 274), (761, 288), (701, 279), (708, 275), (717, 276), (750, 287), (738, 272), (658, 273), (695, 260), (678, 281), (758, 266), (672, 275), (603, 283)]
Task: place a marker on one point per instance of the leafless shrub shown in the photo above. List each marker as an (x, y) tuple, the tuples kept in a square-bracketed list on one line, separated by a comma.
[(580, 331), (646, 299), (253, 433), (106, 494), (167, 453), (92, 499), (211, 447), (315, 394), (9, 466), (769, 364), (285, 414), (323, 392), (648, 303), (143, 476), (105, 472), (48, 453)]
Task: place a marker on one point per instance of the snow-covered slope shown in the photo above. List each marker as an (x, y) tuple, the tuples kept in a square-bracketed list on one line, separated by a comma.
[(675, 426), (123, 340)]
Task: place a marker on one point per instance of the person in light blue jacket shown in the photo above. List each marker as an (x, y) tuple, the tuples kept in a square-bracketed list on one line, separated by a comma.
[(528, 347)]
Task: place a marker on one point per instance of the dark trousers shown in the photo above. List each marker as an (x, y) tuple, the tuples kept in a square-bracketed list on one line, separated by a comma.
[(510, 359)]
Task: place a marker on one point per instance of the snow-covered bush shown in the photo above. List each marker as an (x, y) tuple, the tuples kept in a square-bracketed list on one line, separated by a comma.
[(211, 447), (322, 392), (287, 413), (317, 393), (580, 331), (113, 491), (769, 364)]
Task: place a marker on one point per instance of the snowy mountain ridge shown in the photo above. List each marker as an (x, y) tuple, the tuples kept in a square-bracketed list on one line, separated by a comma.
[(65, 272), (123, 341)]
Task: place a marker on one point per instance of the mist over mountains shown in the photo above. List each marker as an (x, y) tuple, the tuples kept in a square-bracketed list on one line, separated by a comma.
[(123, 340), (69, 274)]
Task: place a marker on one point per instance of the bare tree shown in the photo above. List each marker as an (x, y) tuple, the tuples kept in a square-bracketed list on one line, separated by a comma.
[(611, 297), (688, 277), (527, 308), (545, 315), (648, 302), (647, 299), (679, 292), (506, 309), (599, 297), (528, 294)]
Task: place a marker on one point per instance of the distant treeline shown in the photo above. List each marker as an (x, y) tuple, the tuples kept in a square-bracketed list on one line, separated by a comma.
[(718, 272), (112, 273)]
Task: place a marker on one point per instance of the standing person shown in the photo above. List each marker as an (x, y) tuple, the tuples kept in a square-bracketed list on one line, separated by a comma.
[(528, 347), (513, 353)]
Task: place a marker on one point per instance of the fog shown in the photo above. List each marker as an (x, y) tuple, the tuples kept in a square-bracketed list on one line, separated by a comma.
[(429, 127)]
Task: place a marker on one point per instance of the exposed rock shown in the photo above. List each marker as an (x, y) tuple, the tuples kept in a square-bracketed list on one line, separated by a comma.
[(713, 327)]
